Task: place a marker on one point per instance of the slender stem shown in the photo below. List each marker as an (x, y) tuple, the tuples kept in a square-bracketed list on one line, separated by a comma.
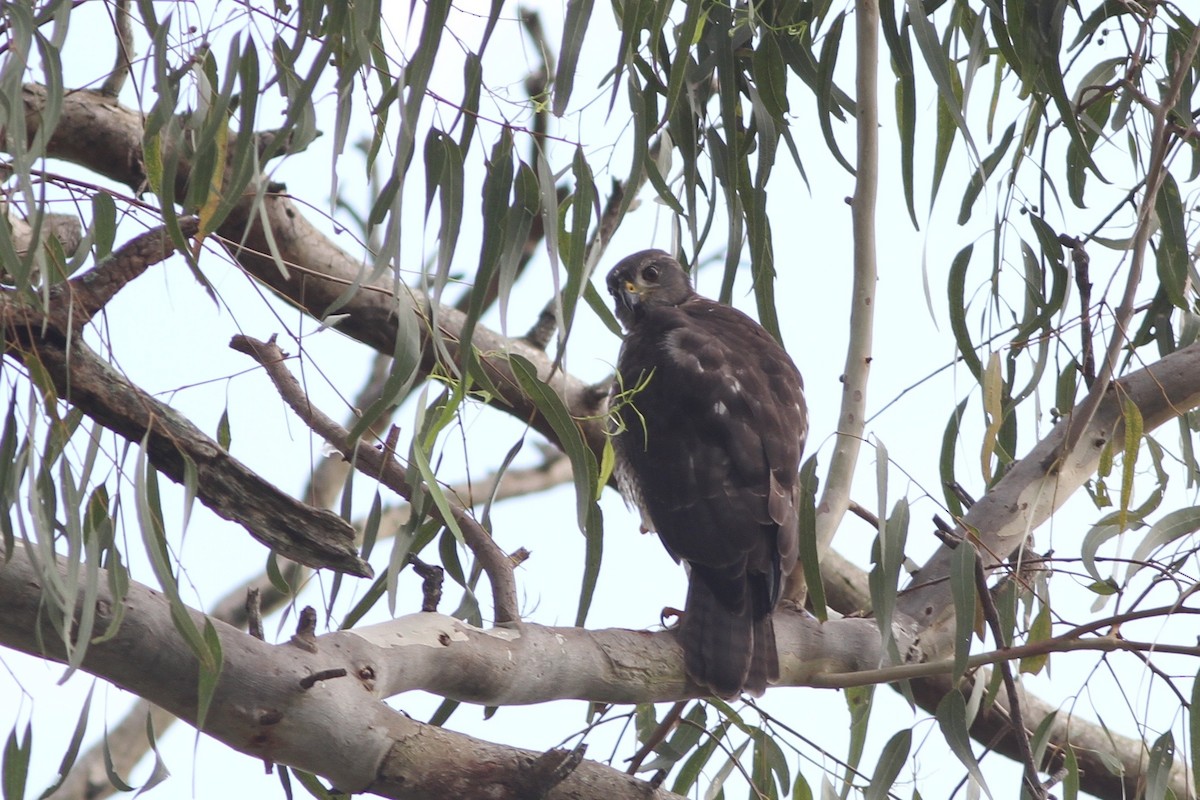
[(1032, 783), (381, 464), (835, 499), (1160, 145)]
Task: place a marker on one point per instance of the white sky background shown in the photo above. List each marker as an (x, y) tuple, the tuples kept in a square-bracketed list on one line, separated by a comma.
[(168, 337)]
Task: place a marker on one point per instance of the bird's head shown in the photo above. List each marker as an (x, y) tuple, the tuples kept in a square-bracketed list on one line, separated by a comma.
[(645, 280)]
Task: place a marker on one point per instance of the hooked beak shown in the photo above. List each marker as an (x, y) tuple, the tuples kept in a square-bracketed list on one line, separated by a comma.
[(628, 297)]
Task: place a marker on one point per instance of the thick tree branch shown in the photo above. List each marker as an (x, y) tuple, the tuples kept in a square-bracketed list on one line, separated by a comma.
[(1040, 483), (105, 137), (338, 728), (127, 743), (1095, 746), (311, 536)]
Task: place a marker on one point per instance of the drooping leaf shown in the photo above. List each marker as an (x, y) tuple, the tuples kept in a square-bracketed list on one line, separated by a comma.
[(887, 769), (1158, 771), (952, 719), (1173, 249), (963, 591), (579, 12)]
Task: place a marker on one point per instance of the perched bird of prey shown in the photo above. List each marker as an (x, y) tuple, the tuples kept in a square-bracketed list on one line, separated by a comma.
[(709, 427)]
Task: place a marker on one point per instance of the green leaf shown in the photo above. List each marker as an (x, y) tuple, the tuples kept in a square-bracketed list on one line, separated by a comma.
[(1092, 540), (958, 311), (859, 700), (985, 170), (104, 225), (16, 762), (444, 175), (770, 74), (210, 674), (72, 752), (1041, 737), (150, 521), (768, 766), (887, 769), (584, 468), (574, 242), (110, 769), (1158, 772), (224, 436), (963, 590), (1071, 781), (1194, 729), (579, 12), (1173, 251), (829, 54), (941, 68), (809, 557), (1039, 631), (686, 778), (1172, 526), (160, 773), (952, 719), (1133, 441)]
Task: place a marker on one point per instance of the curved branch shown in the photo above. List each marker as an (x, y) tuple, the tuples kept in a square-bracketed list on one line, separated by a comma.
[(382, 464), (97, 133)]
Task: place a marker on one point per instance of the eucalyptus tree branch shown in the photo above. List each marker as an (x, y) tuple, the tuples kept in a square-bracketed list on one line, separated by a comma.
[(382, 464), (1160, 145), (308, 268), (266, 705), (92, 290), (1041, 482), (126, 742), (173, 444), (852, 416), (847, 591)]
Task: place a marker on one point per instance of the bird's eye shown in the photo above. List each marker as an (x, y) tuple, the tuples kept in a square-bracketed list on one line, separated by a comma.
[(650, 274)]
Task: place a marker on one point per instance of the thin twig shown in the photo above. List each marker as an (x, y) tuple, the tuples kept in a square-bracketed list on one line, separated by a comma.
[(431, 582), (1159, 147), (1032, 782), (385, 468), (254, 625), (1081, 261), (669, 721)]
